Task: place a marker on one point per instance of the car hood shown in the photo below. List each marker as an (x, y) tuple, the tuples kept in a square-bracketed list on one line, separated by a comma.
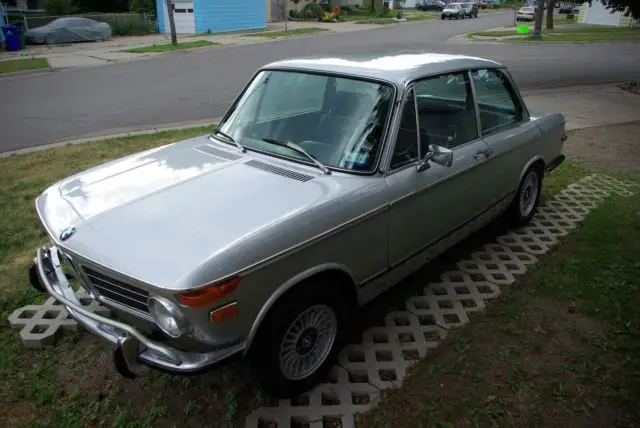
[(156, 215)]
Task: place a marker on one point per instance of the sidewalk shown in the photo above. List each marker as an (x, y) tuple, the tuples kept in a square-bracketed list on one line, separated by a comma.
[(98, 53), (586, 106)]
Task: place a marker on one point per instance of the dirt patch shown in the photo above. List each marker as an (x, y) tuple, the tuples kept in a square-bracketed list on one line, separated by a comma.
[(612, 148), (225, 394), (528, 370), (632, 86)]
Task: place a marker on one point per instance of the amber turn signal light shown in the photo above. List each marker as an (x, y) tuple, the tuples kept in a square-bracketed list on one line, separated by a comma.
[(224, 313), (209, 294)]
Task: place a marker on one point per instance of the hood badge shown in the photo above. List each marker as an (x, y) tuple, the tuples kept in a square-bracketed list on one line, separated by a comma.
[(67, 233)]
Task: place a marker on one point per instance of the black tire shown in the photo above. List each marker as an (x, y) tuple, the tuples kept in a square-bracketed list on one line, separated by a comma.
[(265, 351), (516, 215)]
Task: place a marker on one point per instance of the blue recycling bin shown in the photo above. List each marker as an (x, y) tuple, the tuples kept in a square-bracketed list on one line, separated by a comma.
[(11, 37)]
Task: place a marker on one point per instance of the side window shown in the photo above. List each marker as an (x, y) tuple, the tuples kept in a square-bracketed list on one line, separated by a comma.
[(406, 148), (309, 92), (497, 102), (446, 111)]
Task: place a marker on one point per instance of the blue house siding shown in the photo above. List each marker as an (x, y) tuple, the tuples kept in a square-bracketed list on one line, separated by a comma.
[(229, 15), (160, 15)]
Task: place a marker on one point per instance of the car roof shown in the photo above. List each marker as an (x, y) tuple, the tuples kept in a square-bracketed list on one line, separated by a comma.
[(397, 68)]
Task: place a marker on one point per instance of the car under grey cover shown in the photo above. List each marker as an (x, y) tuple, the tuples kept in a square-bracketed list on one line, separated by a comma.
[(69, 30)]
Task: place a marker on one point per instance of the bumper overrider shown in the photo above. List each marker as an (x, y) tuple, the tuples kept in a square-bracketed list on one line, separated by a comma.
[(133, 351)]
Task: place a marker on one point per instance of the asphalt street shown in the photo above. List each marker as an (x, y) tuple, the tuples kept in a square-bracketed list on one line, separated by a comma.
[(187, 86)]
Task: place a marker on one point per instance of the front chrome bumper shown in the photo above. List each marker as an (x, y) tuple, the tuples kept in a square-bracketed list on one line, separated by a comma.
[(133, 350)]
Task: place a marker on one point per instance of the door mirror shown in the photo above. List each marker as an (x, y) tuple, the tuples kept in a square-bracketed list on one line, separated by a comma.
[(437, 154)]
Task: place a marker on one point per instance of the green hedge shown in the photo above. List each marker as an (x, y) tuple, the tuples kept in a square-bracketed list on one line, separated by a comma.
[(121, 23)]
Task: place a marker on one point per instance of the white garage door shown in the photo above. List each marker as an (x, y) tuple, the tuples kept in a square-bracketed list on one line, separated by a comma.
[(183, 17)]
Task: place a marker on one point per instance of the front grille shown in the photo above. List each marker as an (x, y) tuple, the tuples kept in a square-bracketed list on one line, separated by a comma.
[(117, 291)]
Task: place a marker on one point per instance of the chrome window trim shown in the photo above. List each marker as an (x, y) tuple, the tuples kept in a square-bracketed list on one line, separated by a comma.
[(375, 168), (518, 100), (411, 85)]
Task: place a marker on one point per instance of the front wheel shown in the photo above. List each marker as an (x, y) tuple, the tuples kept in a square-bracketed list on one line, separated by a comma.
[(299, 340), (527, 197)]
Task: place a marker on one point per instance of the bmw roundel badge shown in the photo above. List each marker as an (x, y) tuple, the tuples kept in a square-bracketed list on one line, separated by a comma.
[(67, 233)]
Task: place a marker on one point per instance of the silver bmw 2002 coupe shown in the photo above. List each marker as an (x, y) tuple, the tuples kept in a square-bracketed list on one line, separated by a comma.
[(326, 182)]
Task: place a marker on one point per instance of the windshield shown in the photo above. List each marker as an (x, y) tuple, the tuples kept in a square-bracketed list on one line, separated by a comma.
[(453, 6), (339, 121)]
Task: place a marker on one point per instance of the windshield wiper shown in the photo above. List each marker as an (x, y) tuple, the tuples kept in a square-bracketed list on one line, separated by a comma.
[(230, 138), (297, 148)]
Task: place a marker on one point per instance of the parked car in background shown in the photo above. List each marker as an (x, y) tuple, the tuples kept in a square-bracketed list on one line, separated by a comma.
[(565, 7), (470, 9), (482, 4), (263, 238), (69, 30), (453, 10), (431, 5), (526, 13)]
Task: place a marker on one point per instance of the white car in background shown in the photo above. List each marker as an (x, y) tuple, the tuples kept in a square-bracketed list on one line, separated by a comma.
[(526, 13), (453, 10)]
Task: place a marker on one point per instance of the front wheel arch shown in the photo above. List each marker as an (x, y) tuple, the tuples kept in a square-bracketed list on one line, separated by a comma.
[(333, 273)]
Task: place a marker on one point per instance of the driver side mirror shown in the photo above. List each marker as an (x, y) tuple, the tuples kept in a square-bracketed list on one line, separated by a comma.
[(437, 154)]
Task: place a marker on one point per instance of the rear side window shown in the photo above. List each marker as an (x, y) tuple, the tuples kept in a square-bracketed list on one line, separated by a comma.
[(499, 107)]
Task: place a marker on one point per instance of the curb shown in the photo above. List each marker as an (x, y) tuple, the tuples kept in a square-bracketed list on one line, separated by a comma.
[(100, 137), (25, 73)]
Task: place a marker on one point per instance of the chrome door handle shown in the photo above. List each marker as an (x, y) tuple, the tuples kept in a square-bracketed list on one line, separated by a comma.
[(483, 153)]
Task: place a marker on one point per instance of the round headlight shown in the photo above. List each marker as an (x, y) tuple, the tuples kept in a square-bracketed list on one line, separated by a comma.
[(167, 316)]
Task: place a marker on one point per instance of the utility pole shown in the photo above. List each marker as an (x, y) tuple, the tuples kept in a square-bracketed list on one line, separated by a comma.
[(286, 13), (172, 24), (537, 33)]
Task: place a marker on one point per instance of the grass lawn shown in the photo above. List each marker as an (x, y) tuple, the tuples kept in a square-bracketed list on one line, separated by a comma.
[(292, 32), (556, 349), (168, 47), (372, 18), (13, 65), (568, 33)]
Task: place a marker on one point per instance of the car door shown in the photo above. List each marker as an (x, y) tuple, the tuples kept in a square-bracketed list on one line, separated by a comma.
[(505, 127), (427, 207)]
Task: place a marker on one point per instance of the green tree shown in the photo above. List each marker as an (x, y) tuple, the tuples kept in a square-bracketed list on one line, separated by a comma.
[(146, 6), (61, 7), (627, 7)]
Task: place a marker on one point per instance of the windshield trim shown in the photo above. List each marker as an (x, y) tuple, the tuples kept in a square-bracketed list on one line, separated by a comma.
[(375, 168)]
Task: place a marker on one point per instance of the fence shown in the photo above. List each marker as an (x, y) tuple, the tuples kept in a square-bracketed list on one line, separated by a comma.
[(121, 23)]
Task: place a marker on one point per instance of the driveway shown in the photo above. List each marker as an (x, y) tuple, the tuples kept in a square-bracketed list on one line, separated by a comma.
[(188, 86)]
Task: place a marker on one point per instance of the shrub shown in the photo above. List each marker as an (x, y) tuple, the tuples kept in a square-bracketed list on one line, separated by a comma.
[(312, 10)]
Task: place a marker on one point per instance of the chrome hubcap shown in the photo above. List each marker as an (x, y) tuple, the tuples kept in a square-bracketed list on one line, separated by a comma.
[(529, 194), (308, 342)]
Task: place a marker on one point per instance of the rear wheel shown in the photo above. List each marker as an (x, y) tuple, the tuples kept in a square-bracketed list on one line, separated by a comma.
[(527, 197), (299, 339)]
